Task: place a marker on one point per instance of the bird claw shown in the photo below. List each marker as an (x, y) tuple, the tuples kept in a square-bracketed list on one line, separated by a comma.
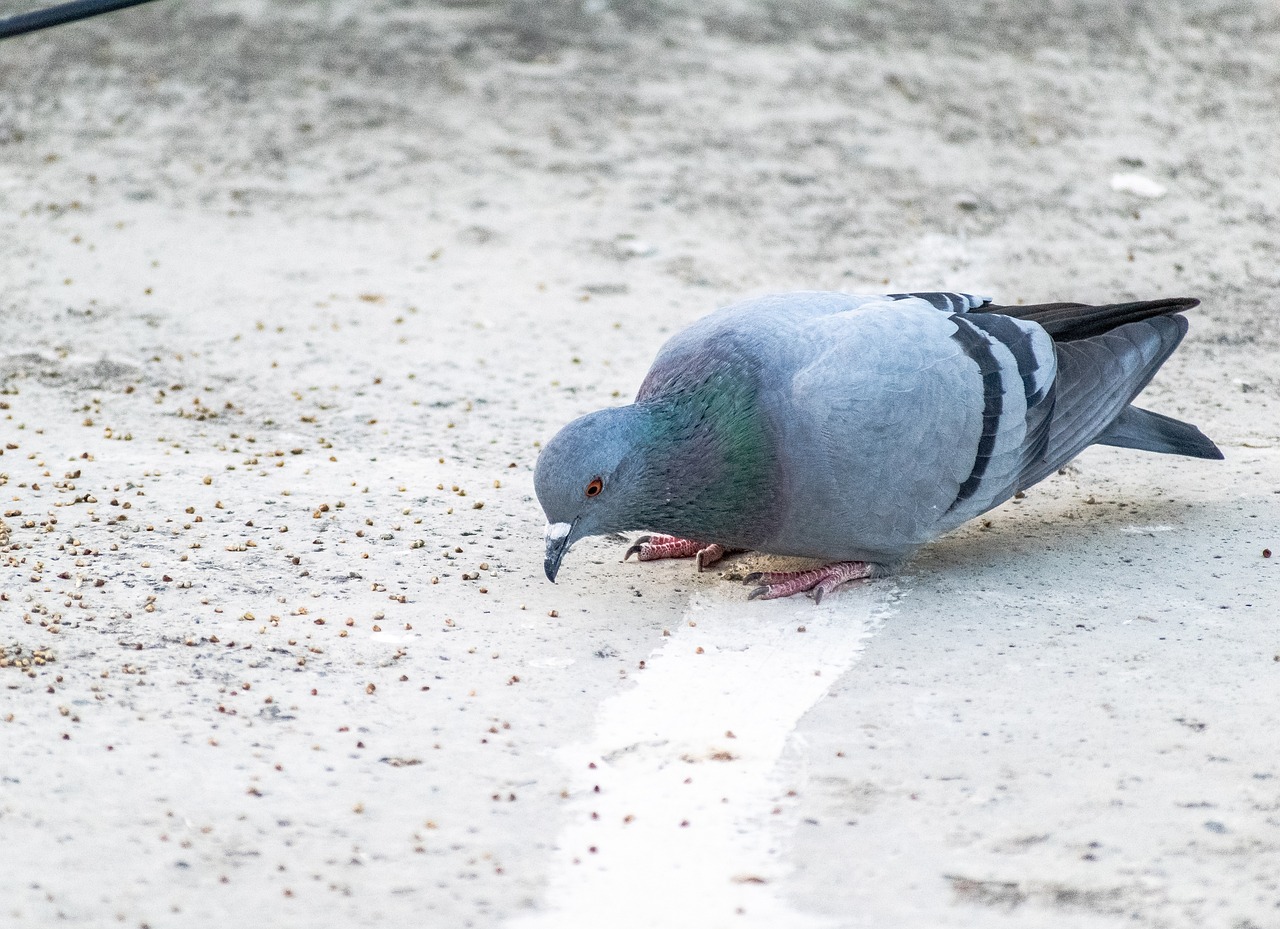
[(637, 547), (817, 582), (655, 547), (709, 556)]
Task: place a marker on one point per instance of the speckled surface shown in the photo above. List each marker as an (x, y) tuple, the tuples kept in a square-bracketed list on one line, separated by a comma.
[(289, 293)]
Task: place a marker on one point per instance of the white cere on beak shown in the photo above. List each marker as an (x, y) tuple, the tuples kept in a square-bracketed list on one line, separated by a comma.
[(557, 531)]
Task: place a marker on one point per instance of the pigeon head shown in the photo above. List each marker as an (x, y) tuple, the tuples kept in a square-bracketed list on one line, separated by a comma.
[(585, 479)]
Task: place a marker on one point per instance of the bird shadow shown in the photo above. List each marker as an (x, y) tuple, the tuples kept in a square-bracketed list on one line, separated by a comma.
[(1050, 532), (1043, 534), (1046, 534)]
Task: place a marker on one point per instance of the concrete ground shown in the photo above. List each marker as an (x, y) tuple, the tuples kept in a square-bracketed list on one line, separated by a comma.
[(290, 292)]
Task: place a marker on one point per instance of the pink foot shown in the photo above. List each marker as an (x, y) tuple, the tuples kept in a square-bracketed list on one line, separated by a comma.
[(654, 547), (822, 581)]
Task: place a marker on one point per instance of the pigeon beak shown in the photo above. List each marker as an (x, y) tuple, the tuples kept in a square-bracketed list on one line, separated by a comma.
[(559, 537)]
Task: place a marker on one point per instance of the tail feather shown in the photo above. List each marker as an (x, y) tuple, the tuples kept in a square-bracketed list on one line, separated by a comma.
[(1067, 322), (1154, 432), (1097, 379)]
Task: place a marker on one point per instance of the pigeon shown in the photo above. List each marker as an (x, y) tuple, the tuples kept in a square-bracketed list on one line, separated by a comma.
[(853, 429)]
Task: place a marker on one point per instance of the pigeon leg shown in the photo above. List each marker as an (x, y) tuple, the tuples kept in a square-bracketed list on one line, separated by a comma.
[(822, 581), (654, 547)]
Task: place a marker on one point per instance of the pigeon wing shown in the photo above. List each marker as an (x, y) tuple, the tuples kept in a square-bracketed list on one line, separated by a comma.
[(1018, 366), (1097, 378), (911, 421)]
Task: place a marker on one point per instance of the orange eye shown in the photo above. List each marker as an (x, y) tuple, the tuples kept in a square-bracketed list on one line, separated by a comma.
[(595, 487)]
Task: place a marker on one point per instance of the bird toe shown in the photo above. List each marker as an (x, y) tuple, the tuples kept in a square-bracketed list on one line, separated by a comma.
[(637, 547)]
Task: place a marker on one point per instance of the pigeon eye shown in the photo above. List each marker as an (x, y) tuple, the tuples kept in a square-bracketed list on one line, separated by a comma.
[(595, 487)]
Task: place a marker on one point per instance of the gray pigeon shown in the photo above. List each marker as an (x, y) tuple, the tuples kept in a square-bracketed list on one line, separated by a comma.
[(853, 429)]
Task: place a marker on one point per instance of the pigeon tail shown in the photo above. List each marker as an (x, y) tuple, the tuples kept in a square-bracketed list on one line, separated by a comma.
[(1154, 432), (1097, 379)]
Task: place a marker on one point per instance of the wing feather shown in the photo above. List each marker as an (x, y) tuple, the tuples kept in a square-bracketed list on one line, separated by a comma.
[(1018, 364), (1097, 378)]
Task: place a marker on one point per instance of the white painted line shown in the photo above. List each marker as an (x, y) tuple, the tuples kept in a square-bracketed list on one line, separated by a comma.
[(679, 823)]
